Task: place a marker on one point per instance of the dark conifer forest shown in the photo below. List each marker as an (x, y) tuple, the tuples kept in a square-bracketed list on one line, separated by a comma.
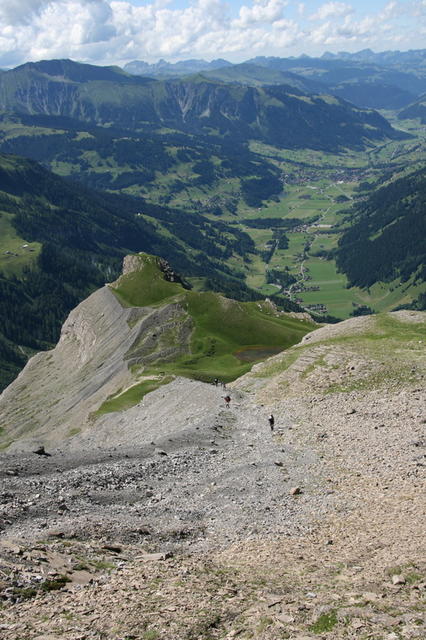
[(388, 237)]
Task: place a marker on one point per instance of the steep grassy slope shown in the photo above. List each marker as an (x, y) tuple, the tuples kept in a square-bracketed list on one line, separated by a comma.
[(226, 335), (131, 337), (363, 355)]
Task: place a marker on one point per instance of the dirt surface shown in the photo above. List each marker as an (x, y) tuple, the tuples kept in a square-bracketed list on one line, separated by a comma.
[(197, 485), (206, 524)]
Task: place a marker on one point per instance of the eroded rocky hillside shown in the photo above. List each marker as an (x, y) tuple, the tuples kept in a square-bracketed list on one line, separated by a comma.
[(207, 524), (126, 339)]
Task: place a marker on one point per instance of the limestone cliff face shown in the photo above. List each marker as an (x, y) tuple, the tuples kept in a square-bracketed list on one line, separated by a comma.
[(101, 341)]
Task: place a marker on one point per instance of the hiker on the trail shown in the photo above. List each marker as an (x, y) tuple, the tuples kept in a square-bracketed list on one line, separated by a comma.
[(271, 421), (227, 400), (223, 385), (216, 382)]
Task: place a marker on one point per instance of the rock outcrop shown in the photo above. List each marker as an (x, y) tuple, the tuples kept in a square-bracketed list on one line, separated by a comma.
[(101, 342)]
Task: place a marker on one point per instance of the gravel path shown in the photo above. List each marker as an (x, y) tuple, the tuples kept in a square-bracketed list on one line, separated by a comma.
[(314, 530), (213, 475)]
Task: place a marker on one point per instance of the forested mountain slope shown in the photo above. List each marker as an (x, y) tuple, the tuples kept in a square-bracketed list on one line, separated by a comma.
[(387, 239), (415, 110), (157, 165), (280, 115), (59, 242)]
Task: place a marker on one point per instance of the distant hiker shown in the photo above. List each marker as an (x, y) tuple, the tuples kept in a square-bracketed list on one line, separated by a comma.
[(271, 421), (223, 385), (227, 400), (41, 451), (216, 382)]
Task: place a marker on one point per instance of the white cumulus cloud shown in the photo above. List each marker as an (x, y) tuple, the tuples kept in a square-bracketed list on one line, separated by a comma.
[(116, 31), (332, 10), (15, 12), (262, 11)]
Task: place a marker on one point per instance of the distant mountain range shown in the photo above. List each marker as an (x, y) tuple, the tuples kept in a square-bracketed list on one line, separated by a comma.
[(282, 115), (387, 80), (415, 110), (164, 68)]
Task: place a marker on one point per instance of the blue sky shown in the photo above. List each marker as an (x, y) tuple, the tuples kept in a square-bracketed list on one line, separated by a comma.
[(117, 31)]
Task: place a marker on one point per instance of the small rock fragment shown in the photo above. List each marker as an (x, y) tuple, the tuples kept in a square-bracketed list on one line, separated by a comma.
[(112, 547), (154, 557)]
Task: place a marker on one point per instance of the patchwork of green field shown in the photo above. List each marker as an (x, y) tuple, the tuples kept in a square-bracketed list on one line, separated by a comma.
[(407, 153), (393, 153), (15, 253), (341, 301), (323, 199), (324, 241), (201, 197), (292, 256), (332, 288), (12, 129), (297, 202), (316, 200), (256, 271), (320, 159), (382, 297)]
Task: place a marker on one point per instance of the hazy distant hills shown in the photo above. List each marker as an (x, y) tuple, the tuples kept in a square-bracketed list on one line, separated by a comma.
[(256, 75), (365, 83), (414, 59), (386, 80), (169, 69), (415, 110)]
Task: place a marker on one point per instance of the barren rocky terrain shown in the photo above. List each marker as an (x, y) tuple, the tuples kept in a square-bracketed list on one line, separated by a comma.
[(183, 519)]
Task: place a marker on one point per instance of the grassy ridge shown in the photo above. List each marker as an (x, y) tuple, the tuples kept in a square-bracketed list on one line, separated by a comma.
[(390, 349), (224, 332)]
